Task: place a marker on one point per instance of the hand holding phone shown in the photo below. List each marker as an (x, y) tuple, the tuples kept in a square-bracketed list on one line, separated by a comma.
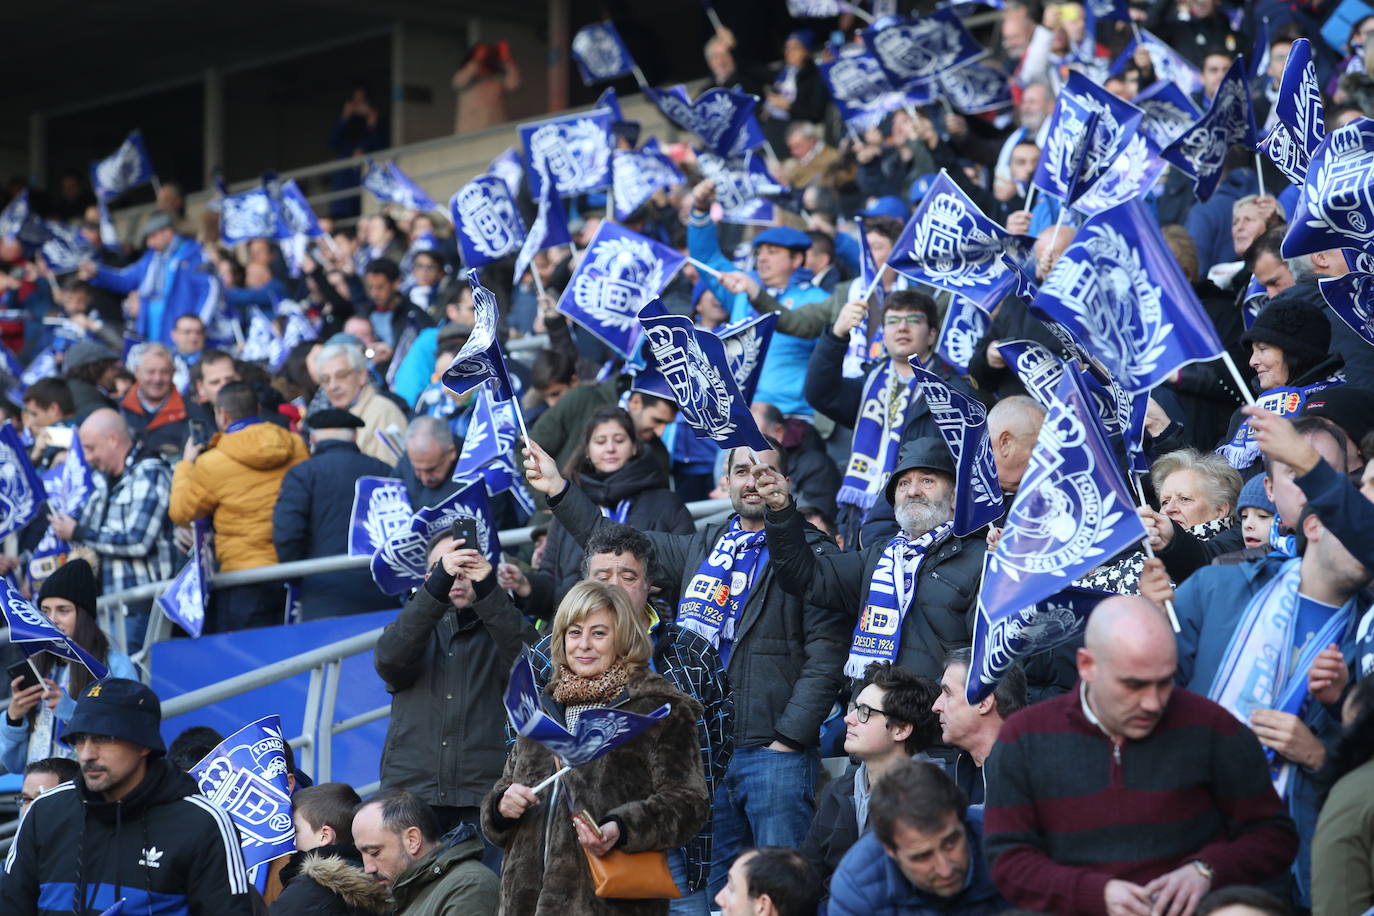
[(464, 532)]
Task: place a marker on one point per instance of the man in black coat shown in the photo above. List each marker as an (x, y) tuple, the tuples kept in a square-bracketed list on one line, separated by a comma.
[(325, 877), (313, 511)]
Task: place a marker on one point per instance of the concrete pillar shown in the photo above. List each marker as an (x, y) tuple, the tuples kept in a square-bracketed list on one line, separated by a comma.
[(213, 126), (560, 38)]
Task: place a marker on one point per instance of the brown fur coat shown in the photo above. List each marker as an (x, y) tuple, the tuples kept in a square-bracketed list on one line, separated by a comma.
[(652, 785)]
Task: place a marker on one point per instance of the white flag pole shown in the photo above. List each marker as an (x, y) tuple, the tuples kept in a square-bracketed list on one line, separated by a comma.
[(704, 268), (715, 19), (1030, 197), (1149, 551), (1240, 380), (877, 278), (1259, 173), (550, 781)]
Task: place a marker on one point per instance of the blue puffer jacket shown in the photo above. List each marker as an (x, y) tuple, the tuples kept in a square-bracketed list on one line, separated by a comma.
[(869, 883)]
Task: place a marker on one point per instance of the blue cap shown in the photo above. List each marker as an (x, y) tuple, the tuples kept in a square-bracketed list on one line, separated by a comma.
[(1252, 495), (783, 237), (119, 707), (886, 206), (921, 187)]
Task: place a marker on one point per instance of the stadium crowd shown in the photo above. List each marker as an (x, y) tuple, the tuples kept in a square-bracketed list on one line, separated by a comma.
[(1099, 776)]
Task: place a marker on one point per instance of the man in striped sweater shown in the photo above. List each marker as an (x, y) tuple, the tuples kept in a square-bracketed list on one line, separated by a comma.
[(1129, 795)]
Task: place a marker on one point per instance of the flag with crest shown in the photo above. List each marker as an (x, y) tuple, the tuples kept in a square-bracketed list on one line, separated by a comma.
[(32, 632), (21, 489), (600, 54), (250, 214), (746, 346), (487, 220), (480, 360), (74, 483), (246, 777), (401, 562), (1006, 635), (1299, 106), (740, 183), (975, 89), (723, 118), (1201, 150), (391, 185), (1352, 298), (187, 598), (637, 174), (125, 168), (861, 89), (574, 151), (490, 447), (1336, 206), (381, 508), (1169, 65), (918, 50), (965, 324), (1089, 130), (963, 423), (550, 229)]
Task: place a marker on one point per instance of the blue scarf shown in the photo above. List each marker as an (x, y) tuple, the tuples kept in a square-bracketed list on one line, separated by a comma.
[(619, 513), (879, 630), (1285, 545), (1255, 671), (1243, 451), (877, 436), (711, 604)]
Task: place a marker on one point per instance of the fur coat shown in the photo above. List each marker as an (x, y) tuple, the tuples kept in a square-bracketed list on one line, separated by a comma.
[(652, 786)]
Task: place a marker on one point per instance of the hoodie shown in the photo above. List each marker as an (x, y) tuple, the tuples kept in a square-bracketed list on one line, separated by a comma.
[(163, 849), (236, 481)]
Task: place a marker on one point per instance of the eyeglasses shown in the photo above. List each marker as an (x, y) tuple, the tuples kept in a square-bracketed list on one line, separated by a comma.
[(914, 320), (863, 712)]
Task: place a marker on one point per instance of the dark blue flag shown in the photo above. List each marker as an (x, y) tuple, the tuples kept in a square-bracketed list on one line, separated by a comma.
[(1286, 152), (975, 89), (965, 324), (1035, 365), (1081, 148), (574, 150), (21, 489), (740, 183), (490, 447), (598, 730), (861, 89), (600, 54), (1169, 65), (32, 632), (1299, 107), (1120, 292), (1259, 53), (948, 243), (1352, 298), (1254, 300), (1168, 112), (65, 248), (247, 215), (391, 185), (297, 216), (74, 483), (1336, 206), (918, 50), (695, 366), (611, 102), (746, 346), (15, 215), (723, 118), (1008, 635), (125, 168), (480, 360), (400, 563), (380, 509), (1201, 150), (620, 271), (1095, 10), (637, 174), (963, 423), (487, 221), (246, 777), (549, 230), (188, 596)]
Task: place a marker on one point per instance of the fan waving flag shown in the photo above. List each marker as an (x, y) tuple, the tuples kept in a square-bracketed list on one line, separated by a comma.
[(637, 174), (32, 632), (696, 367), (1168, 64), (600, 54), (573, 150), (21, 489), (916, 50), (740, 183), (487, 220), (400, 563), (1082, 148), (1201, 150), (251, 214), (1299, 106), (125, 168), (246, 777), (489, 449), (723, 118), (598, 730), (1336, 206), (948, 243), (620, 271), (1352, 298), (550, 228), (861, 89), (380, 509), (391, 185), (480, 360), (297, 216), (963, 423), (187, 598), (1121, 294), (1008, 635)]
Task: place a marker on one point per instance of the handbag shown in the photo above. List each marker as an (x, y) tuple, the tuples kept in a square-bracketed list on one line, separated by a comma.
[(629, 875)]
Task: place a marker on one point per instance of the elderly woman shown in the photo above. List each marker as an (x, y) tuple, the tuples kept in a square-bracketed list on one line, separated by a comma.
[(648, 794)]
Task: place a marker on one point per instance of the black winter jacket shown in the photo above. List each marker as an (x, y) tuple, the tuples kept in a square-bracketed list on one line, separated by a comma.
[(329, 881), (163, 848)]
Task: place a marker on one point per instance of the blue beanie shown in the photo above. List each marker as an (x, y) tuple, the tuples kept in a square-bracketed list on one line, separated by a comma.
[(1253, 495)]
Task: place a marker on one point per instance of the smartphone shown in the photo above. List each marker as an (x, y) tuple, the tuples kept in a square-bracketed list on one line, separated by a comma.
[(465, 527), (589, 822), (26, 671), (60, 436), (199, 432)]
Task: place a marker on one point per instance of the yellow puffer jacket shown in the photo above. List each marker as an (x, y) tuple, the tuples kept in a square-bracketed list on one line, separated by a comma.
[(236, 480)]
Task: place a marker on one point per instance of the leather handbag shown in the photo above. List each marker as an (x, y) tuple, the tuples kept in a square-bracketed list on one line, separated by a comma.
[(632, 875)]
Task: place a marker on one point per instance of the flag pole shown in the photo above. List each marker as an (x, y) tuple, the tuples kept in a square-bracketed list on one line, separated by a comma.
[(715, 19), (877, 278), (1240, 380), (1030, 197), (639, 76), (550, 781), (538, 283), (704, 268), (1134, 478), (1259, 173)]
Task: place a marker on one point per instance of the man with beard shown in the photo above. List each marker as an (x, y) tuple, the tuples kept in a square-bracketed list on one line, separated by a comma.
[(923, 568), (782, 653)]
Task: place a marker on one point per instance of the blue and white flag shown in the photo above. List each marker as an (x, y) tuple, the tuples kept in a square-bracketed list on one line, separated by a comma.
[(1169, 65), (251, 214), (187, 598), (723, 118), (32, 632), (963, 423), (1003, 637), (1071, 514), (263, 342), (296, 216), (1259, 53), (598, 730), (620, 271), (861, 89), (919, 50), (400, 564), (1336, 206), (948, 243), (15, 215), (390, 185), (43, 365), (1035, 365), (816, 9), (1201, 150), (1286, 153), (600, 54), (740, 183), (487, 221), (1128, 177), (381, 508), (696, 368), (746, 346), (21, 489), (1080, 150), (1254, 300), (1168, 112), (480, 360), (490, 447), (1096, 10), (245, 776), (965, 324), (125, 168), (574, 149), (65, 248), (509, 168), (550, 229), (74, 483), (975, 89), (611, 102), (1120, 292), (1352, 298), (637, 174)]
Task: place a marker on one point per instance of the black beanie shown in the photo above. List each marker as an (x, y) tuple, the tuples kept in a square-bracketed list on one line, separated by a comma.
[(1302, 332), (74, 581)]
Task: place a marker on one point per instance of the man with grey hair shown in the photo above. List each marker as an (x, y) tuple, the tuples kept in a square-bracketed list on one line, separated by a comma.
[(341, 369), (426, 468), (1013, 428), (973, 727), (153, 408), (811, 160)]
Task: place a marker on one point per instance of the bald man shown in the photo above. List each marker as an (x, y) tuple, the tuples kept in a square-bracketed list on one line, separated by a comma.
[(126, 522), (1013, 427), (1130, 795)]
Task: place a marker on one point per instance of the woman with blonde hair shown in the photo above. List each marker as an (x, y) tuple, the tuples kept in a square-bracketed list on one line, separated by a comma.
[(646, 795)]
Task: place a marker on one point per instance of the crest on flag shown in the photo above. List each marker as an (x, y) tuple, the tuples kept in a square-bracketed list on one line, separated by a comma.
[(975, 89), (381, 508), (32, 632), (391, 184), (963, 423), (1008, 635), (746, 344), (600, 54), (21, 489), (245, 776), (1336, 207), (188, 596), (249, 215), (125, 168), (1286, 153), (1080, 150), (400, 563), (637, 174), (490, 447), (861, 90), (574, 151), (297, 216), (723, 118), (1168, 112), (1201, 150), (1352, 298), (480, 359), (921, 49), (73, 484), (1037, 368), (965, 324), (488, 222), (1299, 106), (740, 183), (1127, 176)]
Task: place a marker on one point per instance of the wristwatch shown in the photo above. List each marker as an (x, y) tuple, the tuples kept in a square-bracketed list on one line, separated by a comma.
[(1205, 869)]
